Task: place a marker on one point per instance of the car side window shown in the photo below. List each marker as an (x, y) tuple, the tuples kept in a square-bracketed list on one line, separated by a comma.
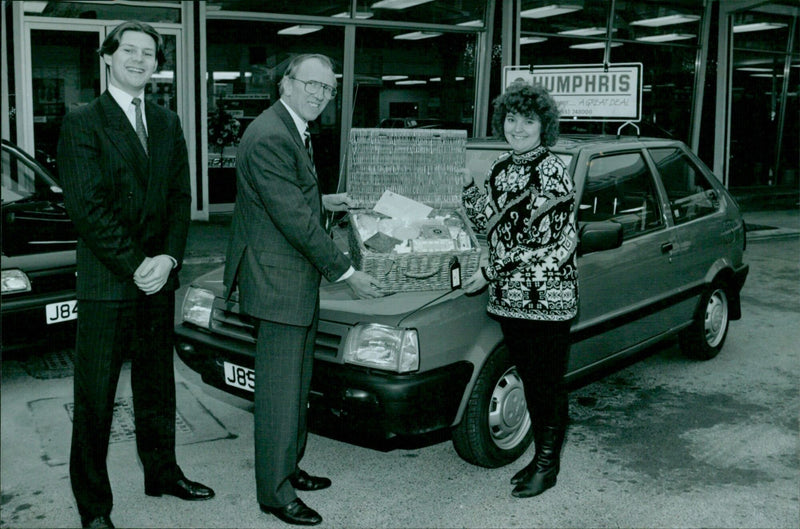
[(620, 188), (690, 194)]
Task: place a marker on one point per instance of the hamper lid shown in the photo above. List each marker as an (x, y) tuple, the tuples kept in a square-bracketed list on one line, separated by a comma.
[(423, 164)]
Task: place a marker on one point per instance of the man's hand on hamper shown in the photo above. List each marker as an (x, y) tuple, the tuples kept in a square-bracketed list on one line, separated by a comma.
[(337, 202), (364, 285)]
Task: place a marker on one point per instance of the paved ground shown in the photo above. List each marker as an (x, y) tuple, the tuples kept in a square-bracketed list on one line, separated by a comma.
[(663, 442)]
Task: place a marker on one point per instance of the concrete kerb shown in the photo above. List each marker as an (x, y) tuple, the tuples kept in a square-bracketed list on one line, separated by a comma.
[(772, 223), (771, 233)]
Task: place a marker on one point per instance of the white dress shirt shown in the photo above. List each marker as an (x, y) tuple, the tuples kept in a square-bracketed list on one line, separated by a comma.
[(125, 102)]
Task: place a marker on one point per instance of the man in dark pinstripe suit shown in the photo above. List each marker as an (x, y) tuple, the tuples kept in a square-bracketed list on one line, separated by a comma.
[(125, 176), (277, 253)]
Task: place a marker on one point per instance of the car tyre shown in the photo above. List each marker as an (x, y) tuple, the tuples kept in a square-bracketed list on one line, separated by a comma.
[(496, 427), (704, 338)]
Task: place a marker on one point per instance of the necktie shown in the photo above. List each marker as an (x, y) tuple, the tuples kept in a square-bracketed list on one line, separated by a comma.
[(140, 123), (307, 136)]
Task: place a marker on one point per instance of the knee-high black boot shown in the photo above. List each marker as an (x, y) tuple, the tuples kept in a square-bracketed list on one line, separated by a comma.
[(530, 468), (541, 474)]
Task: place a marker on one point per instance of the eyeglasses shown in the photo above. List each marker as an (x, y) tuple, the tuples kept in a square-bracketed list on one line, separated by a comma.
[(313, 87)]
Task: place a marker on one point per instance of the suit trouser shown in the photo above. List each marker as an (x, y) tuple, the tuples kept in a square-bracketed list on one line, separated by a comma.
[(108, 333), (284, 362), (540, 350)]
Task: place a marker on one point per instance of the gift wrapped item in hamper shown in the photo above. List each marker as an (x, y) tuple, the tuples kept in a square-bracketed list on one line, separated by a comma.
[(407, 252)]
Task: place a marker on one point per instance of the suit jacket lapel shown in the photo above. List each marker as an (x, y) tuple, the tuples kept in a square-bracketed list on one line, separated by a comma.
[(292, 128), (160, 145), (122, 135)]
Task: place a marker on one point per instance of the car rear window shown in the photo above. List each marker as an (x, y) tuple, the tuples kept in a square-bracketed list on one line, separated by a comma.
[(690, 193)]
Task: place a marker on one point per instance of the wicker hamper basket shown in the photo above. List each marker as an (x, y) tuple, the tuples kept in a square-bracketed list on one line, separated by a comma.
[(421, 164)]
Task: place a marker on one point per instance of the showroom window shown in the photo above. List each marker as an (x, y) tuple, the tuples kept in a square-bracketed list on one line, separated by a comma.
[(391, 85), (246, 60), (664, 36), (764, 100), (162, 11), (318, 8), (461, 12), (394, 89), (450, 12)]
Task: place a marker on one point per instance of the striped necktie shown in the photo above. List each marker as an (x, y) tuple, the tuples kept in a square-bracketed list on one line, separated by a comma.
[(307, 138), (140, 131)]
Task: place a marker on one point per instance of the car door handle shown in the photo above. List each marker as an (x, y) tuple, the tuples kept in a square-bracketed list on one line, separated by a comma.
[(667, 247)]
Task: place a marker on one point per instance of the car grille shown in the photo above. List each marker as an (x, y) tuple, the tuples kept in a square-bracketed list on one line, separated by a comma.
[(227, 321), (58, 280), (329, 338)]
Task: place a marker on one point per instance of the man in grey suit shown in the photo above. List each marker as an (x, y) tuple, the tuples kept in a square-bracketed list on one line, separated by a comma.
[(277, 253), (125, 173)]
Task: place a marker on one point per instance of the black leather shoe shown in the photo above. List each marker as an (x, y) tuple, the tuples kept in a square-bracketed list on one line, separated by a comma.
[(295, 513), (182, 488), (101, 522), (302, 481)]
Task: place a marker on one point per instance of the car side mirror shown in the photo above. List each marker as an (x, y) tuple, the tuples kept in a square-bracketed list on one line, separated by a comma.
[(599, 236)]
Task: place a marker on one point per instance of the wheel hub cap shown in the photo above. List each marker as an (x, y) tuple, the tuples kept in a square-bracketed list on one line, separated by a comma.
[(509, 421)]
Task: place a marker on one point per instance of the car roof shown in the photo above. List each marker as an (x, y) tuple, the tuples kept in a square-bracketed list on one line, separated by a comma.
[(574, 143)]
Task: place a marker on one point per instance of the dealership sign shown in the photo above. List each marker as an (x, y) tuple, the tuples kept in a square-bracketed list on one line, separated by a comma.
[(587, 92)]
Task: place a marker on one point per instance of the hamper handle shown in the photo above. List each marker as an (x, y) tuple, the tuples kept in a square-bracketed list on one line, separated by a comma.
[(422, 275)]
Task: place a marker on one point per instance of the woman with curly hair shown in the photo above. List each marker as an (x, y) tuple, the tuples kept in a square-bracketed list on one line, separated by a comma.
[(527, 209)]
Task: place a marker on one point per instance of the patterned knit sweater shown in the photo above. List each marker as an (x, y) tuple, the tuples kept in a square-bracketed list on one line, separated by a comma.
[(527, 209)]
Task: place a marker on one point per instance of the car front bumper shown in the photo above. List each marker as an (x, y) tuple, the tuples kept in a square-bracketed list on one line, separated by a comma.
[(25, 321), (346, 401)]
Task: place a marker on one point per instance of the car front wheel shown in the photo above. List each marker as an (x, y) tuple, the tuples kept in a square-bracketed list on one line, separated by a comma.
[(704, 338), (496, 428)]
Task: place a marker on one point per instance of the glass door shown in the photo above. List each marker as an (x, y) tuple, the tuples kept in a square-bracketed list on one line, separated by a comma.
[(64, 74)]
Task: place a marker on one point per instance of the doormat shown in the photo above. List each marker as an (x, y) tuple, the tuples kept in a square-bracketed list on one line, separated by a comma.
[(194, 423)]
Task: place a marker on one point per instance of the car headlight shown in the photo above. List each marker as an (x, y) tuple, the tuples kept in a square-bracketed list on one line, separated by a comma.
[(197, 305), (382, 347), (15, 281)]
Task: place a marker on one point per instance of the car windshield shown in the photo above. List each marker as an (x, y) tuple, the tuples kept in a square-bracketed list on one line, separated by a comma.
[(20, 179)]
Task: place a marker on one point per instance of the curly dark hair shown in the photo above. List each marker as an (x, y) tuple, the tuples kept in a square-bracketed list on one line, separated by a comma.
[(529, 101), (111, 42)]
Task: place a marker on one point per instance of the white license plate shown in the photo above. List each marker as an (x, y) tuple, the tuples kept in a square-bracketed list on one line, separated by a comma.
[(240, 377), (61, 311)]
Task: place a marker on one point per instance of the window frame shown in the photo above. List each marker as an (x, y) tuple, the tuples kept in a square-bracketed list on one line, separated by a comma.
[(657, 193), (711, 193)]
